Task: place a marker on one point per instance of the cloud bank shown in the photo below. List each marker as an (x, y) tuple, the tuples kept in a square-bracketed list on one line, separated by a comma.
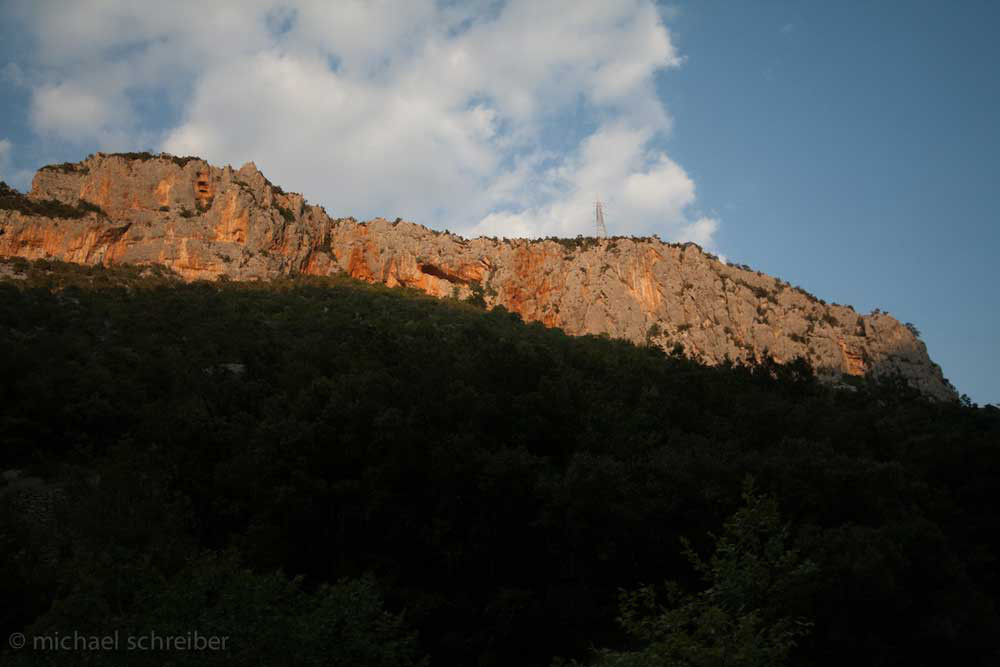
[(485, 118)]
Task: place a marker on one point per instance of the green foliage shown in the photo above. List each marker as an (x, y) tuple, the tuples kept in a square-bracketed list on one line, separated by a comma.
[(66, 168), (578, 243), (478, 296), (147, 155), (87, 206), (286, 213), (256, 619), (11, 199), (276, 188), (740, 617), (501, 481)]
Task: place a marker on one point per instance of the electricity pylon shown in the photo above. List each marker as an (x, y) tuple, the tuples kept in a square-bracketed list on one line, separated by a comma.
[(602, 231)]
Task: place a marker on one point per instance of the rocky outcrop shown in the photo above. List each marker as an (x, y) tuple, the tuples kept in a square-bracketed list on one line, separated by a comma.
[(205, 222)]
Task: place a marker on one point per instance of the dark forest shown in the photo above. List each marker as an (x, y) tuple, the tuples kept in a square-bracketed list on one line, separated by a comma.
[(334, 473)]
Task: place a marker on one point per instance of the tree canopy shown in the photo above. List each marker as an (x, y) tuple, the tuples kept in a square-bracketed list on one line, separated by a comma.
[(424, 478)]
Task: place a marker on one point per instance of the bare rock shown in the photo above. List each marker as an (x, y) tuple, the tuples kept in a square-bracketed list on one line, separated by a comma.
[(205, 222)]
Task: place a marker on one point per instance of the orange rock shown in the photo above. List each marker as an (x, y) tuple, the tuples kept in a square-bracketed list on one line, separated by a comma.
[(205, 222)]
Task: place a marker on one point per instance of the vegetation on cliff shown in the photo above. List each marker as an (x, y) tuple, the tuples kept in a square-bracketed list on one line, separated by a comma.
[(11, 199), (204, 222), (75, 167), (331, 472)]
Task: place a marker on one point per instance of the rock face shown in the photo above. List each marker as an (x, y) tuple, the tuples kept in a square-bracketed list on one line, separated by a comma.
[(205, 222)]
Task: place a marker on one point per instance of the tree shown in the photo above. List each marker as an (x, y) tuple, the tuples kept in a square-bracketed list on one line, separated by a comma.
[(477, 296), (738, 619), (256, 619)]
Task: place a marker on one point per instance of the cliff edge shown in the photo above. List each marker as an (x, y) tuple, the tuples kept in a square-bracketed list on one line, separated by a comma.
[(205, 222)]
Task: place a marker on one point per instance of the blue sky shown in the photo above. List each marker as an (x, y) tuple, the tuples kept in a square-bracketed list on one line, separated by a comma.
[(854, 149), (849, 148)]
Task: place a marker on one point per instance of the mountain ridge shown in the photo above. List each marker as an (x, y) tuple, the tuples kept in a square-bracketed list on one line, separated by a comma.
[(207, 222)]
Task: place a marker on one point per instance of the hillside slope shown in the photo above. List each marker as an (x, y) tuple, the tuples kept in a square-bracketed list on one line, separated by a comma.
[(497, 482), (205, 222)]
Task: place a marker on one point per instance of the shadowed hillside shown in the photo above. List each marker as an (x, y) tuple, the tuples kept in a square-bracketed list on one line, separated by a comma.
[(455, 483)]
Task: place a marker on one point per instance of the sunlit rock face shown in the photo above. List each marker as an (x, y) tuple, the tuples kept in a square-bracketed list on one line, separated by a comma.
[(205, 222)]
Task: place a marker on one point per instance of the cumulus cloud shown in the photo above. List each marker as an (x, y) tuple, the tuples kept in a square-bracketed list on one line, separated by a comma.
[(481, 117), (643, 190), (74, 112)]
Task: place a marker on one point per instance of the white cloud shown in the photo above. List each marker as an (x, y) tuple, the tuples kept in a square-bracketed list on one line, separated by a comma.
[(356, 146), (644, 192), (73, 112), (478, 117), (96, 60), (700, 231)]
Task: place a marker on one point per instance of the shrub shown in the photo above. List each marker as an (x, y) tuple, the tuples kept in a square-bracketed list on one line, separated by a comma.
[(66, 168), (143, 156), (11, 199), (739, 611), (90, 207), (477, 297)]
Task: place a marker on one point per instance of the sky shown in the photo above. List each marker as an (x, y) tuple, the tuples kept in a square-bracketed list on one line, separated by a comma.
[(851, 148)]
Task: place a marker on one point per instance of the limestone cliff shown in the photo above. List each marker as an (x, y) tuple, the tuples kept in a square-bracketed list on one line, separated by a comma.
[(205, 222)]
